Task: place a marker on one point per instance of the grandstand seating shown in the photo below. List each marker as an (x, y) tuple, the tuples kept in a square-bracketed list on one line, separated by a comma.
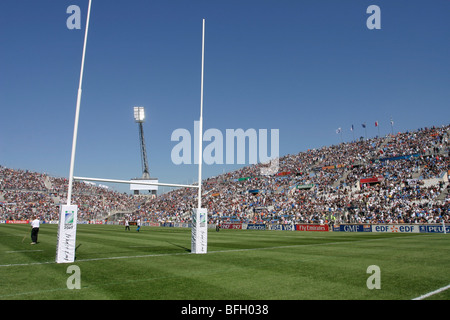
[(400, 178)]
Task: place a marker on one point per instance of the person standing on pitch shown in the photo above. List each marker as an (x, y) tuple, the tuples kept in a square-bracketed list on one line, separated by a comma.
[(34, 230), (138, 222), (127, 225), (217, 225)]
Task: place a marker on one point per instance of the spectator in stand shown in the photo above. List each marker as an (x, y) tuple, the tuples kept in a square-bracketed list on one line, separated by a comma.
[(317, 185)]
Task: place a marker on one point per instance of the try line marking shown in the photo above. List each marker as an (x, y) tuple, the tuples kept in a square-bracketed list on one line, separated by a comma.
[(429, 294), (17, 251)]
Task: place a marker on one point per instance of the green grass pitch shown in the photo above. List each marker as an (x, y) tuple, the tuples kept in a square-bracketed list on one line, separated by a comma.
[(156, 264)]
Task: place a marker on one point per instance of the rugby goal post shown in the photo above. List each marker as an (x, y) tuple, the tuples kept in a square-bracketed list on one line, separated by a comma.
[(65, 251)]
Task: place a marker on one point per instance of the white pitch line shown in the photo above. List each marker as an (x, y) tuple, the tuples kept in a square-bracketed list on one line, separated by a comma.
[(429, 294), (18, 251), (140, 246)]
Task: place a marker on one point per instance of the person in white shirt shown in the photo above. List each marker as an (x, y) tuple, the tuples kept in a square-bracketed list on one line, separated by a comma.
[(34, 230), (138, 225)]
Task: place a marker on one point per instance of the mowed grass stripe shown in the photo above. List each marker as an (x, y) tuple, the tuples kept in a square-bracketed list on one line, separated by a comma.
[(11, 240), (405, 266), (120, 242)]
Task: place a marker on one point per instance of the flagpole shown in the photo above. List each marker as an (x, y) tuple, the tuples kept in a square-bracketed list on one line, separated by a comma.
[(339, 131), (77, 112)]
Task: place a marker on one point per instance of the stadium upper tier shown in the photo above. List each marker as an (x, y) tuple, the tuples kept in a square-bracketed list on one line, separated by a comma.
[(400, 178)]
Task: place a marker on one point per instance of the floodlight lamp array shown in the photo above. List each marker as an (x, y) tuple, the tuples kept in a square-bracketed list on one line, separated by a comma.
[(139, 114)]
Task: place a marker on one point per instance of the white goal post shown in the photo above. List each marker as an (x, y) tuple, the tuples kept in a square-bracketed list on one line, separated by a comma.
[(65, 251)]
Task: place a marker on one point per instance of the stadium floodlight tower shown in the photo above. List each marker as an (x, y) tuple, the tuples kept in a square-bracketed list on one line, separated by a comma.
[(139, 118)]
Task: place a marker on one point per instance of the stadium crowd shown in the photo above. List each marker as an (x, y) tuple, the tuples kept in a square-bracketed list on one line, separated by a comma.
[(400, 178)]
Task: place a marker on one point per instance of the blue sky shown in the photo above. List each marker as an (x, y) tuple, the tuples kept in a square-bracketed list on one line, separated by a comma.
[(303, 67)]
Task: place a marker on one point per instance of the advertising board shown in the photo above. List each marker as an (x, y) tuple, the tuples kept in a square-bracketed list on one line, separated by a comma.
[(311, 227)]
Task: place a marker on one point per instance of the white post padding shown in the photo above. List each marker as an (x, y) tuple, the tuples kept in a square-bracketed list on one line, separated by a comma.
[(67, 233), (199, 238)]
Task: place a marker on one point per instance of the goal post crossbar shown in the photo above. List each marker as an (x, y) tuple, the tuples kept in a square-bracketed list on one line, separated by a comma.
[(137, 182)]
